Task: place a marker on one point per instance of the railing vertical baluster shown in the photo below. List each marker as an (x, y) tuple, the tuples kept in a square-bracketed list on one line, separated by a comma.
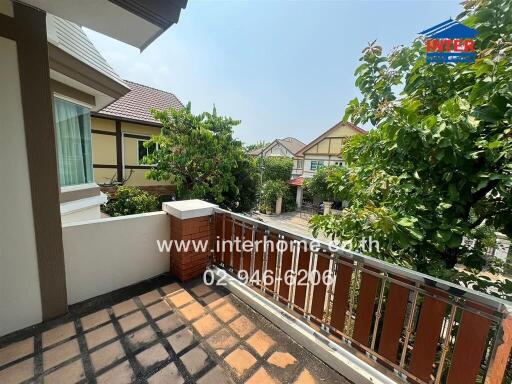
[(253, 251), (349, 325), (408, 330), (279, 261), (329, 293), (266, 239), (232, 245), (310, 287), (223, 245), (446, 343), (500, 353), (378, 314), (241, 265), (293, 273)]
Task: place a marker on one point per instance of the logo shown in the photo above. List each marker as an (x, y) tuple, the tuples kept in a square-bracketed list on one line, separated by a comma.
[(450, 42)]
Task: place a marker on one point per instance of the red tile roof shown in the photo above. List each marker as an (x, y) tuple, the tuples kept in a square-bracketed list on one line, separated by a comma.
[(136, 104), (297, 182)]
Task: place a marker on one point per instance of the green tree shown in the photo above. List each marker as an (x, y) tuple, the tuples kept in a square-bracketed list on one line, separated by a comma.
[(276, 168), (437, 167), (319, 185), (258, 145), (200, 154), (271, 191)]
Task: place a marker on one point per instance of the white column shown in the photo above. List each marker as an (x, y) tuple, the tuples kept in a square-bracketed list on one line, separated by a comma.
[(298, 199), (279, 205), (327, 207)]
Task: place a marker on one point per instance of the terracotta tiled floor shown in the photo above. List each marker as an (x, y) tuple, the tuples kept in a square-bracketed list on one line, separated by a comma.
[(159, 331)]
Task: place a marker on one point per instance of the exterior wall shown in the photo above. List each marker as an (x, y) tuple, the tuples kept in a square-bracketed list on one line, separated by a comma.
[(103, 149), (20, 295), (298, 167), (103, 124), (105, 153), (327, 159), (124, 252), (277, 150), (333, 142), (328, 150), (140, 129)]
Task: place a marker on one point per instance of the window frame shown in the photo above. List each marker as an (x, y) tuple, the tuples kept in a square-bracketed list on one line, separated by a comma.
[(89, 107), (147, 152), (318, 165)]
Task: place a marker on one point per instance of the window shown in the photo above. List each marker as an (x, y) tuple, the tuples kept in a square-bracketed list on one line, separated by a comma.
[(298, 164), (316, 165), (143, 151), (74, 148)]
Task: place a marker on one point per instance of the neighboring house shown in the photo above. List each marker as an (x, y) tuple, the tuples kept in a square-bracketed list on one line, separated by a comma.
[(51, 79), (82, 82), (118, 135), (323, 151), (286, 147)]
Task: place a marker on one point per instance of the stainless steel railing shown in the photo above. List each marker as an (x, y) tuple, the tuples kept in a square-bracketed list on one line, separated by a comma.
[(424, 329)]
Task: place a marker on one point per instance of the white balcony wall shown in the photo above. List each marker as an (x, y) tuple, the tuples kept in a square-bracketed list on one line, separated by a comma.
[(107, 254)]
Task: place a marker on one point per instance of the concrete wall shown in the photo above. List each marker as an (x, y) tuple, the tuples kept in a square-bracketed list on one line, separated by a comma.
[(20, 298), (90, 213), (107, 254)]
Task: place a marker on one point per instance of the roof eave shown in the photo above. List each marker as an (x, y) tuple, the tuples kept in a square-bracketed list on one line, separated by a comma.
[(127, 119), (70, 66)]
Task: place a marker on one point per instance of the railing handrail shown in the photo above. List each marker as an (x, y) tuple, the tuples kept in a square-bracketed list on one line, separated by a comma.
[(502, 306)]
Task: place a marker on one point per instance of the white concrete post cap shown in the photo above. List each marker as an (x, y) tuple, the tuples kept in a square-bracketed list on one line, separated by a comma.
[(188, 209)]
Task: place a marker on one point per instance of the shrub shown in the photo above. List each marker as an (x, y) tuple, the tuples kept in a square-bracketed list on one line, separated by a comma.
[(272, 190), (318, 186), (289, 200), (129, 201)]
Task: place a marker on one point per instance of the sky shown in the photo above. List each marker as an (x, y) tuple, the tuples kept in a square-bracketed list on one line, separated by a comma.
[(283, 68)]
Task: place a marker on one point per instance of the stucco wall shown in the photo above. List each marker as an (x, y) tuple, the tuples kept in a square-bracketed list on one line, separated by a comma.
[(90, 213), (104, 152), (332, 143), (20, 300), (123, 252), (104, 149)]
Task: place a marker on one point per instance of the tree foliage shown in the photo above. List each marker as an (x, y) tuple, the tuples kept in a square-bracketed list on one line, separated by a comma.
[(272, 190), (258, 145), (200, 154), (276, 168), (319, 185), (437, 167)]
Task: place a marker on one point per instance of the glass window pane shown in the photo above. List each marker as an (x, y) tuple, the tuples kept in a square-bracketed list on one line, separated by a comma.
[(141, 151), (74, 147)]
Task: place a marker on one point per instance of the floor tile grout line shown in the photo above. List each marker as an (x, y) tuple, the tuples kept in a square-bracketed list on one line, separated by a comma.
[(38, 356), (200, 340), (187, 377), (84, 352), (130, 357)]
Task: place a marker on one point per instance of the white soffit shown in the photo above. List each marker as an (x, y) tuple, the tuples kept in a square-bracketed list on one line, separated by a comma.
[(102, 100), (104, 17)]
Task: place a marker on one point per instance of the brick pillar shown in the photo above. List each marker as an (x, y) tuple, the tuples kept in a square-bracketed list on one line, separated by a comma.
[(191, 220)]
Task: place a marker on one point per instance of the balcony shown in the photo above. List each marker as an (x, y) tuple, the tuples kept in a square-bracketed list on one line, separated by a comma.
[(347, 318)]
